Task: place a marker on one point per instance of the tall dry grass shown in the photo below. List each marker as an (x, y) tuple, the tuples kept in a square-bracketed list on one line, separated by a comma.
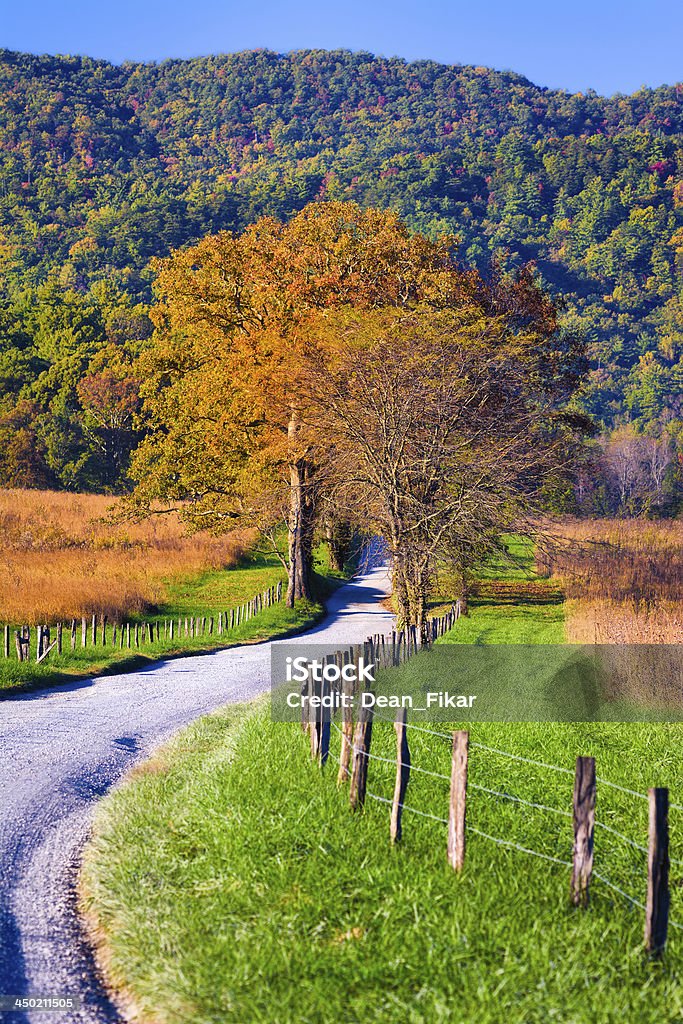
[(61, 559), (623, 580)]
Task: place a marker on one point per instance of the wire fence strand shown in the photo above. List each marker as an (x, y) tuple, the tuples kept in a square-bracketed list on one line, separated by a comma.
[(518, 846), (508, 843), (530, 760), (520, 800), (406, 807)]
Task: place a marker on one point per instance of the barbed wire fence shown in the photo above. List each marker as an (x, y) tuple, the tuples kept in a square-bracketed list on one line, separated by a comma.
[(457, 788)]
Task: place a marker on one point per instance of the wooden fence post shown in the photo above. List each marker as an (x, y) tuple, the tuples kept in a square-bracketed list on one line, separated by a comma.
[(584, 827), (84, 631), (306, 691), (347, 726), (657, 909), (325, 718), (457, 808), (361, 755), (46, 645), (319, 721), (59, 638), (7, 641), (104, 630), (73, 634), (313, 723), (94, 630), (402, 774)]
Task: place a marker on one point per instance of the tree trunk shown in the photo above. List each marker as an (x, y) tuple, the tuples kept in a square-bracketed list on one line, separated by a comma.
[(400, 599), (301, 512), (463, 592), (411, 584), (300, 534), (338, 536)]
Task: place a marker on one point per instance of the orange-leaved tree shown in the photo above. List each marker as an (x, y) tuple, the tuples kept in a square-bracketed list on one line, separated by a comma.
[(226, 382), (339, 362)]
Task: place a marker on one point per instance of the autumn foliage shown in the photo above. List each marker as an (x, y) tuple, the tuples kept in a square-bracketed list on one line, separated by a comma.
[(250, 333)]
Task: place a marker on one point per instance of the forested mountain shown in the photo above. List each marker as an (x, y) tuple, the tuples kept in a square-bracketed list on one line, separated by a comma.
[(103, 167)]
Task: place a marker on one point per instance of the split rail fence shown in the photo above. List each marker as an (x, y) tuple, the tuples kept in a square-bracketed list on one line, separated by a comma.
[(356, 756), (97, 630)]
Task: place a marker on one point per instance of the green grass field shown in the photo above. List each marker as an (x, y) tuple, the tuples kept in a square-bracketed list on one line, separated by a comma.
[(228, 881), (203, 595), (511, 604)]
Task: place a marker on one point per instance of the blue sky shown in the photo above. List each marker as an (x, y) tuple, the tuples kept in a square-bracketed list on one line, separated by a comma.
[(608, 45)]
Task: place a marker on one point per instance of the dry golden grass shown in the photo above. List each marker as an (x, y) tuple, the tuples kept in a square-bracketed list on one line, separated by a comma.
[(624, 585), (623, 580), (62, 560)]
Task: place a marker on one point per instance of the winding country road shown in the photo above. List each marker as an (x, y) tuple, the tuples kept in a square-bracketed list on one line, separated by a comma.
[(63, 748)]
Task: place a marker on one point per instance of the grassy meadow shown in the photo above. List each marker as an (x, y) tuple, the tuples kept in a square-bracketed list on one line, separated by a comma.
[(229, 881), (623, 580), (64, 559), (508, 603)]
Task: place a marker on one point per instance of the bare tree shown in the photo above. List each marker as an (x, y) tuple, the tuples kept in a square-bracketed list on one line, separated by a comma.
[(438, 426), (658, 456), (623, 459)]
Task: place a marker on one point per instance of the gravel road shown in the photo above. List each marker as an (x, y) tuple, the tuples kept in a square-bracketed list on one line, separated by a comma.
[(63, 748)]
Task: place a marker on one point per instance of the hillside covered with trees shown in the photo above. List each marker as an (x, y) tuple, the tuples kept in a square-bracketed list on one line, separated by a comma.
[(104, 167)]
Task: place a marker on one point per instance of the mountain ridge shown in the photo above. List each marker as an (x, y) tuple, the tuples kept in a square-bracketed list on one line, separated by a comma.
[(104, 166), (304, 51)]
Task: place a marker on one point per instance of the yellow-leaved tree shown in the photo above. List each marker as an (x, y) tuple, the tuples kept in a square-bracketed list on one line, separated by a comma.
[(338, 362), (225, 382)]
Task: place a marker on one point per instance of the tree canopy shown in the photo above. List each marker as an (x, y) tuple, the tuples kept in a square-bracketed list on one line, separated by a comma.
[(339, 356)]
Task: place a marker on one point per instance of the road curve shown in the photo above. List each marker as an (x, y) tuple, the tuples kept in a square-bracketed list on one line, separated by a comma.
[(63, 748)]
